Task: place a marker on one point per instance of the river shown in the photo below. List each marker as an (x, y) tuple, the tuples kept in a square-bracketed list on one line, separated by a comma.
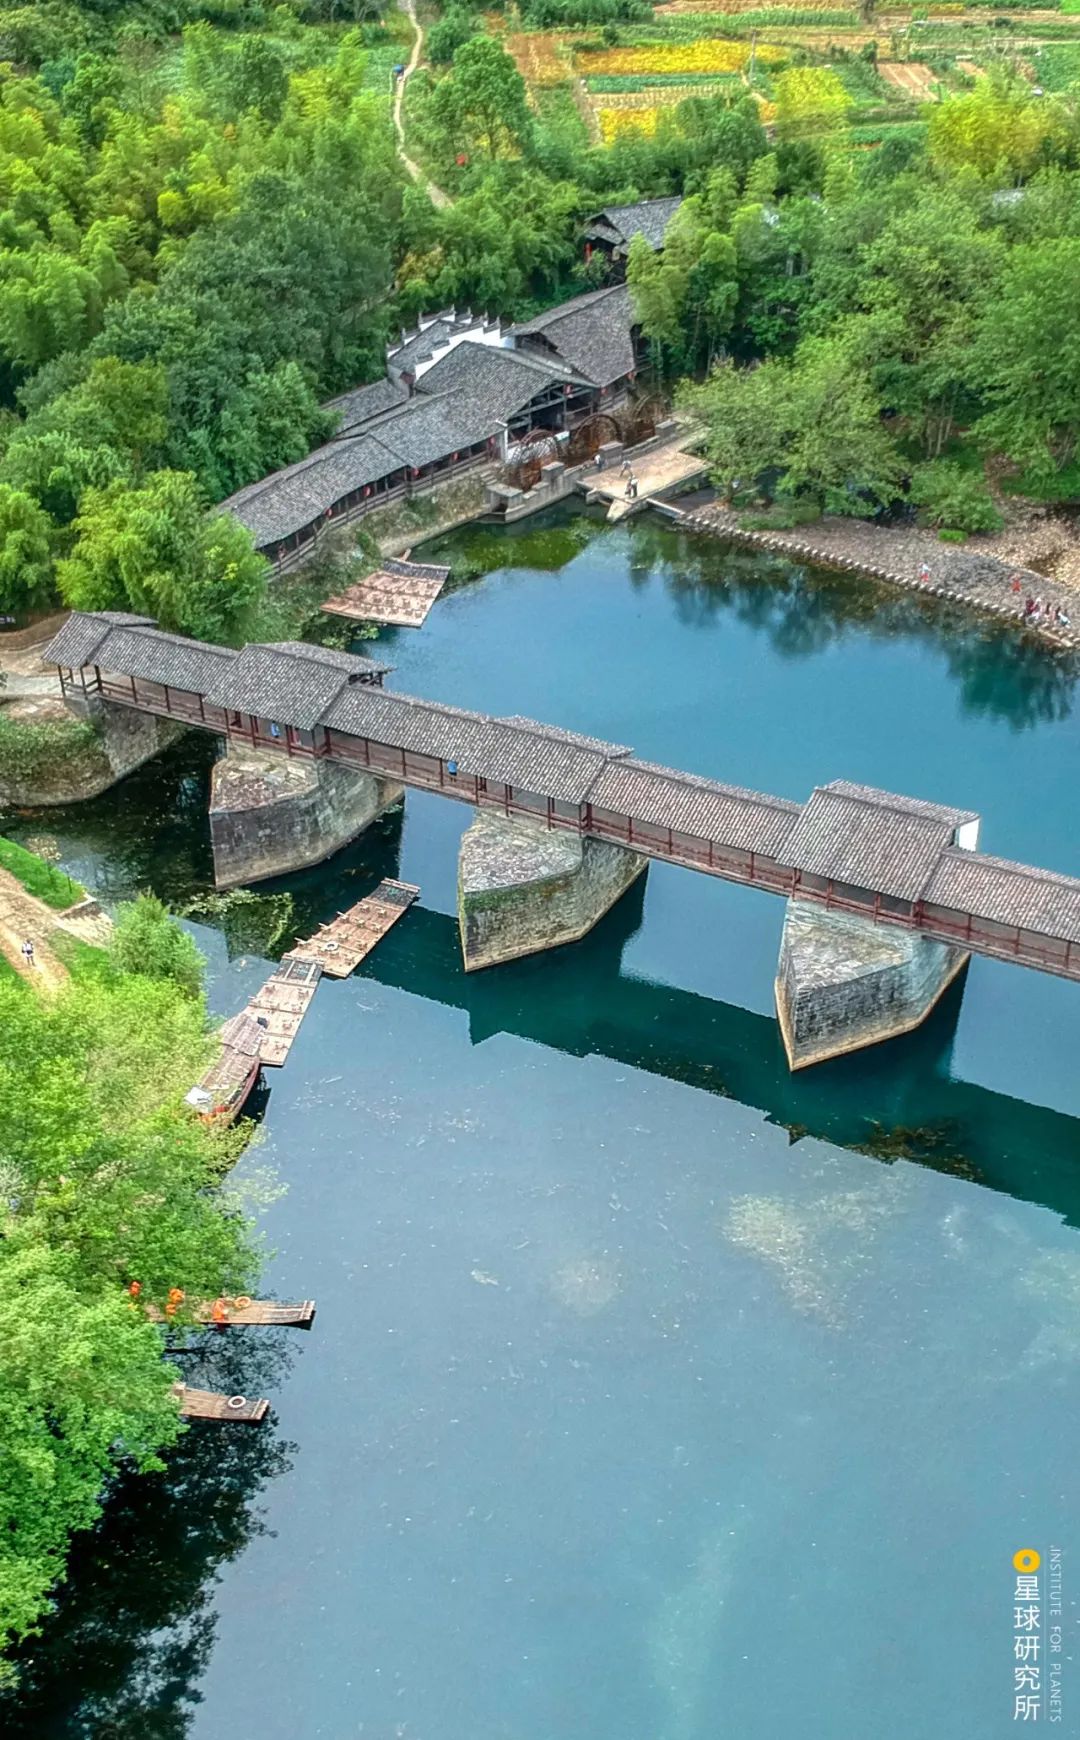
[(654, 1394)]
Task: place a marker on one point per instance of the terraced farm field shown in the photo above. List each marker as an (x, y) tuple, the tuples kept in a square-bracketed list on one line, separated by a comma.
[(891, 65)]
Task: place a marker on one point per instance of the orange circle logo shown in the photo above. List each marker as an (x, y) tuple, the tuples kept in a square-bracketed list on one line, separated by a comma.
[(1026, 1561)]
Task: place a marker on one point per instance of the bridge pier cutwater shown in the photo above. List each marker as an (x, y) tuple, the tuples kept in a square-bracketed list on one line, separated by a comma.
[(888, 894), (523, 888), (844, 982), (270, 815)]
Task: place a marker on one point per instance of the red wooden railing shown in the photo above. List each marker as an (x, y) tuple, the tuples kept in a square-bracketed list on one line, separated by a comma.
[(713, 858)]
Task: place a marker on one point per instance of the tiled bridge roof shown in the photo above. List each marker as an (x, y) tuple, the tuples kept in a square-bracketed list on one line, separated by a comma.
[(899, 847)]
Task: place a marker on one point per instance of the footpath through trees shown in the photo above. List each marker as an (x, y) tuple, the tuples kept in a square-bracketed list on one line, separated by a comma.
[(435, 194)]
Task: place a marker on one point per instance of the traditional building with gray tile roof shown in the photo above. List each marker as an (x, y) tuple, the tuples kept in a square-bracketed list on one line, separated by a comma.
[(592, 334), (284, 683), (504, 386), (77, 639), (456, 392), (353, 409), (616, 226), (915, 857)]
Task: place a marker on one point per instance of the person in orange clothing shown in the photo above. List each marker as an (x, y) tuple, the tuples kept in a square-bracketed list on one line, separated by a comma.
[(219, 1316), (176, 1298), (134, 1288)]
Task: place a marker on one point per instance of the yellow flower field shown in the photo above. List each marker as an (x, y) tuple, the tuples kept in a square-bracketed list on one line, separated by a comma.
[(614, 122), (707, 55)]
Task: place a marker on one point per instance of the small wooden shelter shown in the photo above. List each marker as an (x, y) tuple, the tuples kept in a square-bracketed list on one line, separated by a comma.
[(399, 593)]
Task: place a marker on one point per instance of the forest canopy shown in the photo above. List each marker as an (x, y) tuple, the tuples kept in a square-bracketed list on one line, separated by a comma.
[(207, 232)]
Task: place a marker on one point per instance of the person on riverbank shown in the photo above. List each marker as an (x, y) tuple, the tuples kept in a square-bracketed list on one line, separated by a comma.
[(924, 573), (28, 952)]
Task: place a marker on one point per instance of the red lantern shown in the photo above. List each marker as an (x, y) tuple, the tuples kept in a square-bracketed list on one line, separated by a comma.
[(367, 489)]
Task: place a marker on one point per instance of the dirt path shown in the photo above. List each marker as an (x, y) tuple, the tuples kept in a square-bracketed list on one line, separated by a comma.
[(21, 916), (435, 194)]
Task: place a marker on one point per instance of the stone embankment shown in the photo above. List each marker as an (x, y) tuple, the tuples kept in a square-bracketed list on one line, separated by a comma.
[(960, 575)]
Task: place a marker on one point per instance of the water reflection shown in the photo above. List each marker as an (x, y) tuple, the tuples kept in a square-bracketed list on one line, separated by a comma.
[(1001, 673), (135, 1624), (1009, 676)]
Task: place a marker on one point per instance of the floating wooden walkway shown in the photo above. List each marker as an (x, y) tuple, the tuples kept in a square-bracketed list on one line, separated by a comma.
[(399, 593), (282, 1004), (340, 946), (209, 1405), (242, 1311)]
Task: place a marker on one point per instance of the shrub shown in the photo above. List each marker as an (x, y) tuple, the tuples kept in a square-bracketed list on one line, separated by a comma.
[(147, 941), (454, 29), (947, 494)]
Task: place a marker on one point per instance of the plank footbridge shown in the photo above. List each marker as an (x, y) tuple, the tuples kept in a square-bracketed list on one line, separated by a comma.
[(892, 860)]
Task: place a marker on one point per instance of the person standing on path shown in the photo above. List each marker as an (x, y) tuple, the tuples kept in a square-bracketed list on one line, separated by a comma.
[(28, 953)]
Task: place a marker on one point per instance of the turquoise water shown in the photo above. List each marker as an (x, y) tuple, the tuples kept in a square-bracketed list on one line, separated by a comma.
[(640, 1404)]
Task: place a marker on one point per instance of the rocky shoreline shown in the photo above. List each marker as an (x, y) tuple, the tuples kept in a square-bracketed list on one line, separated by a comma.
[(958, 573)]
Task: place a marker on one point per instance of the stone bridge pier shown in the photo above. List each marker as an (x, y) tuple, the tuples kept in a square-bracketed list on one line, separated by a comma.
[(270, 814), (844, 982), (523, 887)]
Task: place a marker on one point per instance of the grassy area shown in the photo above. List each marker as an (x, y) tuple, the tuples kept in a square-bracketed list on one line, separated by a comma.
[(42, 880), (8, 973), (84, 962)]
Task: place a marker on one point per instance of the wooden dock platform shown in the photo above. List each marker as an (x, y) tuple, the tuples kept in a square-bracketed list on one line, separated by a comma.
[(282, 1004), (242, 1310), (340, 946), (209, 1405), (399, 593)]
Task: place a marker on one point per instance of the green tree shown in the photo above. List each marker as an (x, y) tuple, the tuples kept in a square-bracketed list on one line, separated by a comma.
[(445, 37), (152, 548), (954, 496), (1000, 127), (146, 940), (1026, 359), (105, 1179), (815, 420), (481, 102), (25, 549), (810, 101)]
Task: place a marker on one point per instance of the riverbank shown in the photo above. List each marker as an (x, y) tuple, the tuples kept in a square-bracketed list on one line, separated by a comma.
[(963, 575)]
